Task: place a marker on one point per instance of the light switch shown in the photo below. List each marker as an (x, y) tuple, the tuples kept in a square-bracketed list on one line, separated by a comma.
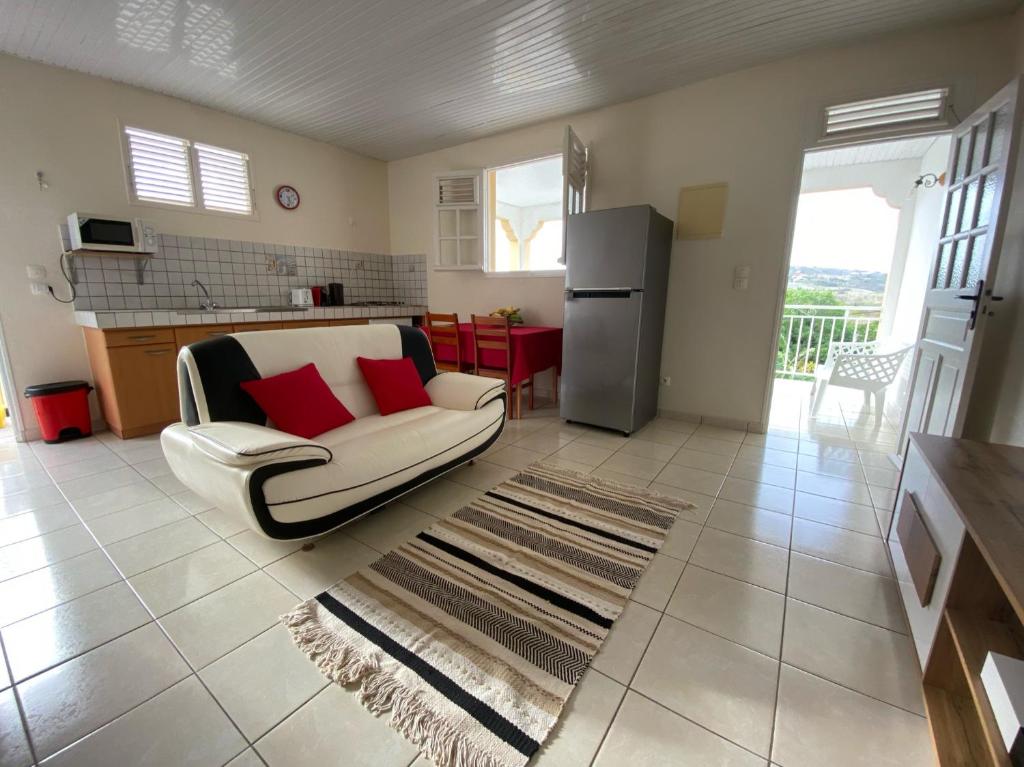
[(741, 278), (38, 288), (36, 271)]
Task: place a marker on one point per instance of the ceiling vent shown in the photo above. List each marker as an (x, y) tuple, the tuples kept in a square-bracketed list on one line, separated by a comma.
[(458, 189), (905, 113)]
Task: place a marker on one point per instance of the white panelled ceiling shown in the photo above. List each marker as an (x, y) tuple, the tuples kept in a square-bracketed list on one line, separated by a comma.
[(877, 151), (393, 78)]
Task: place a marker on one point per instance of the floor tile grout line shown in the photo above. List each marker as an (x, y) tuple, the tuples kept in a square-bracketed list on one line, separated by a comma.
[(782, 638), (124, 578), (163, 631), (647, 647), (153, 620), (22, 715), (637, 480), (694, 722)]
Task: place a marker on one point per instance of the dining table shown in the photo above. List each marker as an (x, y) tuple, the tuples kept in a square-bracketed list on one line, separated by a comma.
[(534, 349)]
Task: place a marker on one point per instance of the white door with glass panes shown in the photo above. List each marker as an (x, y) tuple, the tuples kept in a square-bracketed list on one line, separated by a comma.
[(961, 291)]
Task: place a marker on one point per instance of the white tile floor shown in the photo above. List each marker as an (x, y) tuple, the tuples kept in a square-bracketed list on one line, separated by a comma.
[(140, 626)]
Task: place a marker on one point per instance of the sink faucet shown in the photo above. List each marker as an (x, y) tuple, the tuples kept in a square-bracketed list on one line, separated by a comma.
[(207, 302)]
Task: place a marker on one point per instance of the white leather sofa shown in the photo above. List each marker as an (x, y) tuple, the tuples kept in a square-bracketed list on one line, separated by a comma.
[(286, 487)]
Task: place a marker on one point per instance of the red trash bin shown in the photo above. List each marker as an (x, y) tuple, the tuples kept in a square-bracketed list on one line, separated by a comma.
[(62, 409)]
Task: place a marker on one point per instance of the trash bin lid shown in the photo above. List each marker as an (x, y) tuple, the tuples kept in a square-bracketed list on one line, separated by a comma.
[(57, 387)]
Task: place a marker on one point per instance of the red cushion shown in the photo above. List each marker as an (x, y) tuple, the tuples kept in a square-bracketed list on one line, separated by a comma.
[(395, 384), (299, 402)]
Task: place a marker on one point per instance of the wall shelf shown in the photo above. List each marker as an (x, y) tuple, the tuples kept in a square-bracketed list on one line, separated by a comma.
[(974, 636)]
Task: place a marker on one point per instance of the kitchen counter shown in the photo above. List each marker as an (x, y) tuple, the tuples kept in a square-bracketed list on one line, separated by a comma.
[(133, 353), (145, 318)]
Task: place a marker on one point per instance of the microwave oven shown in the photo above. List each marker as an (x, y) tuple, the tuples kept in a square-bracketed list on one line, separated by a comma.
[(125, 235)]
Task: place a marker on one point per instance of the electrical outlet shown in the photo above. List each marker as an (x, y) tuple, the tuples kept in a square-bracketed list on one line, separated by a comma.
[(38, 288), (666, 380)]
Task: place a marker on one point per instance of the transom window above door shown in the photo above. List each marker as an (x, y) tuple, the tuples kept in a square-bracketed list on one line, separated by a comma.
[(525, 216)]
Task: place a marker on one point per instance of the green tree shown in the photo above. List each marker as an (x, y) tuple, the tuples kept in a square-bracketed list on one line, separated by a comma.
[(804, 343), (816, 296)]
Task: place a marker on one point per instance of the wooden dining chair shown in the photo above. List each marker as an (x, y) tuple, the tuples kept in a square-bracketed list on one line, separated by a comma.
[(494, 333), (443, 330)]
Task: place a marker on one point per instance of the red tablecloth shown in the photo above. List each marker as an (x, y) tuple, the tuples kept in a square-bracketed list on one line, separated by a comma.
[(534, 348)]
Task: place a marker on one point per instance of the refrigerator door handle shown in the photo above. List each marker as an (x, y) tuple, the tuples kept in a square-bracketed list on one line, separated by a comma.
[(572, 293)]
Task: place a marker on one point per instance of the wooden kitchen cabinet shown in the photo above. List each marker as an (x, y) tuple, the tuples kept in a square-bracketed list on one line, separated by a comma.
[(190, 334), (137, 384), (245, 327), (135, 369), (290, 324)]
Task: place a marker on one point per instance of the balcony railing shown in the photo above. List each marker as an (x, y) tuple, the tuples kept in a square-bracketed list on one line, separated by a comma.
[(807, 332)]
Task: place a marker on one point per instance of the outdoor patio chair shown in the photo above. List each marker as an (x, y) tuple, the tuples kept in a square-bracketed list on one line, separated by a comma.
[(858, 365)]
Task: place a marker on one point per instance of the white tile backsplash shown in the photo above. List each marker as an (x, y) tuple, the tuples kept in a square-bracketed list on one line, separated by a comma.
[(243, 274)]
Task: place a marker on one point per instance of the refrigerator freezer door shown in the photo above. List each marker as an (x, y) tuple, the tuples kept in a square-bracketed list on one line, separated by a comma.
[(599, 357), (606, 248)]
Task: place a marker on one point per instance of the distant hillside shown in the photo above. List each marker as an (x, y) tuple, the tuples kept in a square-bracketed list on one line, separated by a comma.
[(851, 286)]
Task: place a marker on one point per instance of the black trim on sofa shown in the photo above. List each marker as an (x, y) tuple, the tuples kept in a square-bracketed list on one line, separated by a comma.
[(189, 411), (416, 345), (385, 476), (493, 389), (311, 527), (223, 364)]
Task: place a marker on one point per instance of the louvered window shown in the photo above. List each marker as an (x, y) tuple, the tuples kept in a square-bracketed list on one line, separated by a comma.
[(160, 167), (458, 215), (902, 113), (175, 171), (223, 179)]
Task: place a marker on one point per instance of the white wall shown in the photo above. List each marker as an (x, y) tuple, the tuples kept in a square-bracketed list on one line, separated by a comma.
[(66, 124), (996, 413), (909, 292), (924, 233), (747, 129)]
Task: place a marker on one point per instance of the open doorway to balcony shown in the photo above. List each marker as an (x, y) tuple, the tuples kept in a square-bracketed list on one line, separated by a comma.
[(867, 219)]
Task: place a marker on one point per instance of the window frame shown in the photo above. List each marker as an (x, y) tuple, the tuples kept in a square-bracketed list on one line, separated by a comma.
[(487, 220), (475, 208), (198, 206)]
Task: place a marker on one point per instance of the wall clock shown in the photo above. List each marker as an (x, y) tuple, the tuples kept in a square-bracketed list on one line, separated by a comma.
[(287, 197)]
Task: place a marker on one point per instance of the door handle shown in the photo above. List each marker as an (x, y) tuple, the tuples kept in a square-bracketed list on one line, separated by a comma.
[(976, 298)]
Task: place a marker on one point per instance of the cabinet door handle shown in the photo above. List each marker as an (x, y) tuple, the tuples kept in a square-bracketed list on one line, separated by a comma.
[(141, 338), (157, 352), (215, 333)]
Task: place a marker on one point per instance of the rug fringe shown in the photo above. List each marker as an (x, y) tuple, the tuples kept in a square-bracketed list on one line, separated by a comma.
[(345, 664)]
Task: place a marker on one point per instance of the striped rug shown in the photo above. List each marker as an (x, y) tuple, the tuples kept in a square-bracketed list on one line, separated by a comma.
[(474, 633)]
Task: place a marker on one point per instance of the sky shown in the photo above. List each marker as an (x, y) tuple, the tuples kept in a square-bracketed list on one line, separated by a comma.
[(844, 229)]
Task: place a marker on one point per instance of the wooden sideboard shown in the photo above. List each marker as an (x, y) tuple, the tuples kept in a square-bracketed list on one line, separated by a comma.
[(957, 544), (135, 372)]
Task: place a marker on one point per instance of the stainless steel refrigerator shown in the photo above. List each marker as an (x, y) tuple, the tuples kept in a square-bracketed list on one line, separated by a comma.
[(616, 280)]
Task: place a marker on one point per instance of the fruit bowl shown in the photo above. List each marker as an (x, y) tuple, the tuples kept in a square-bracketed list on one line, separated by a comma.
[(512, 312)]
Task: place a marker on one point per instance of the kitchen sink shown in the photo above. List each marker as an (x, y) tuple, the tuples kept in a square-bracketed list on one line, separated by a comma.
[(240, 309)]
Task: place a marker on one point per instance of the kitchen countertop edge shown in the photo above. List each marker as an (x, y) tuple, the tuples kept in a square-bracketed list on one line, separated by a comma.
[(145, 318)]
